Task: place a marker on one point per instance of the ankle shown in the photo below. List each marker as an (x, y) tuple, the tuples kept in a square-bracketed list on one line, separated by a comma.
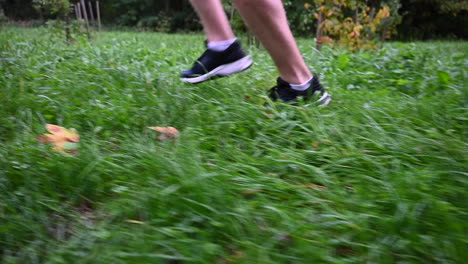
[(297, 79), (220, 45), (302, 86), (296, 73)]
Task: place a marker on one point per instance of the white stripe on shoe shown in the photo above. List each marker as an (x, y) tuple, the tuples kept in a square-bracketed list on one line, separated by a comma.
[(325, 99), (324, 96), (223, 70)]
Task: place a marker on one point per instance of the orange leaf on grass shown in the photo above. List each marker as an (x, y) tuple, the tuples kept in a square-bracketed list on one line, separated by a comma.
[(166, 132), (316, 144), (71, 135), (62, 139), (315, 186), (131, 221), (251, 191)]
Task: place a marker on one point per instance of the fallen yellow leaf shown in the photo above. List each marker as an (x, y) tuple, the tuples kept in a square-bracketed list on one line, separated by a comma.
[(70, 135), (166, 132), (250, 191), (62, 139), (315, 186), (134, 222)]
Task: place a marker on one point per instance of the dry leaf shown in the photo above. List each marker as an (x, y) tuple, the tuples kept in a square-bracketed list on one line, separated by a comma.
[(62, 139), (316, 144), (250, 191), (69, 134), (315, 186), (134, 222), (166, 132)]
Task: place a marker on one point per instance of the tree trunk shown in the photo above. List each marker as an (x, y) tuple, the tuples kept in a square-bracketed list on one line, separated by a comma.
[(384, 33), (98, 14), (167, 5), (91, 13), (319, 33), (67, 27)]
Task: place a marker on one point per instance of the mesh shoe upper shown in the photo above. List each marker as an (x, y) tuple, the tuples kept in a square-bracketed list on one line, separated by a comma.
[(284, 92), (212, 59)]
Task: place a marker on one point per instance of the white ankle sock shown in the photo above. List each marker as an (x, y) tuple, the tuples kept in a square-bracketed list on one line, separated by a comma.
[(301, 87), (220, 45)]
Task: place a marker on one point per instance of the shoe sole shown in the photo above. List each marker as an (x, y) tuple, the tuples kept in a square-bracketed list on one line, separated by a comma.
[(324, 100), (223, 70)]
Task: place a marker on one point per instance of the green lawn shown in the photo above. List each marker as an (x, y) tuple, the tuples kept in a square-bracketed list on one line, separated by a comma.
[(379, 176)]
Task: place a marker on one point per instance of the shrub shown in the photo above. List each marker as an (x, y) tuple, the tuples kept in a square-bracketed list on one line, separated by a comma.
[(354, 24), (160, 23)]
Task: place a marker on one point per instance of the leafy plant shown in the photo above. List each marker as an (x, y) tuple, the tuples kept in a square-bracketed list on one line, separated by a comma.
[(72, 30), (3, 18), (160, 23), (63, 24), (60, 8), (433, 19), (353, 24)]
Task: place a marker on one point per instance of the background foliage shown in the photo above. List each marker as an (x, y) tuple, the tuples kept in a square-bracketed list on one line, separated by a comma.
[(421, 19), (426, 19), (355, 24)]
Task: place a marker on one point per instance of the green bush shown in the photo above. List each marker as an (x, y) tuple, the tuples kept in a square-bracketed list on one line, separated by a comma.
[(71, 31), (438, 20), (160, 23)]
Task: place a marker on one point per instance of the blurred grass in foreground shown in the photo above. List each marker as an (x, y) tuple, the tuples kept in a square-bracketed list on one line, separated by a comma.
[(379, 176)]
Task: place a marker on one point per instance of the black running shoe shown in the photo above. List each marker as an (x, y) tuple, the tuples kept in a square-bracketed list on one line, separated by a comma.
[(315, 92), (218, 64)]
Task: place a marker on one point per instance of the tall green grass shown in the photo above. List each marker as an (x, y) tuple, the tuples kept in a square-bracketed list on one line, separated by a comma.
[(379, 176)]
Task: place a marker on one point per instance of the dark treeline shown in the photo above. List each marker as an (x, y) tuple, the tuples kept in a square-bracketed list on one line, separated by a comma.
[(421, 19), (428, 19)]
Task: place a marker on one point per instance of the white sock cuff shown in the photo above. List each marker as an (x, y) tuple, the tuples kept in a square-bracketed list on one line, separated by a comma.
[(303, 86), (221, 45)]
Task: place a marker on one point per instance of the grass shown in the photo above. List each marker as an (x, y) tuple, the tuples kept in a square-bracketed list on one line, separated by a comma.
[(379, 176)]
